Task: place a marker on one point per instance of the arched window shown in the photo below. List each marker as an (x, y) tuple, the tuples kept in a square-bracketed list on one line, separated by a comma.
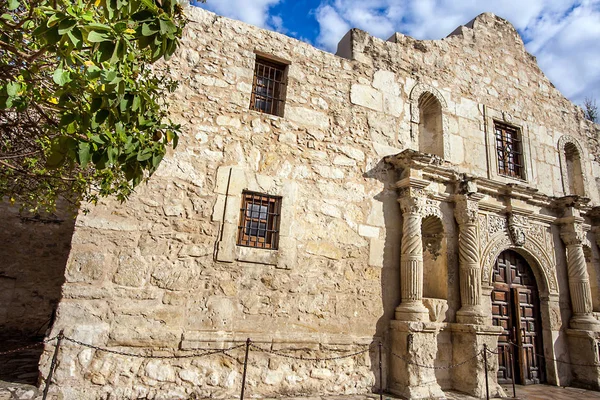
[(431, 134), (574, 173)]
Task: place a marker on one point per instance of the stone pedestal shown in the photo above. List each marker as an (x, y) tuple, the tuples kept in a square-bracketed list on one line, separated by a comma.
[(584, 349), (416, 343), (468, 340)]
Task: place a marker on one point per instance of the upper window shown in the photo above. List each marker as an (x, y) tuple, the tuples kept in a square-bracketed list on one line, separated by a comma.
[(259, 221), (268, 87), (510, 150)]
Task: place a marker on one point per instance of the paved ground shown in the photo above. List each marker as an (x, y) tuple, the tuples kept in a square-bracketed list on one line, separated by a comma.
[(15, 391)]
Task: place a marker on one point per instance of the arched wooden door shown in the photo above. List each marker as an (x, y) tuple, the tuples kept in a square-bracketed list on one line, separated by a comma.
[(516, 308)]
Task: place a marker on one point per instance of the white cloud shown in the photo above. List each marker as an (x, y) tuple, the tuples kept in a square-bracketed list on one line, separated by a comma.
[(563, 34), (255, 12)]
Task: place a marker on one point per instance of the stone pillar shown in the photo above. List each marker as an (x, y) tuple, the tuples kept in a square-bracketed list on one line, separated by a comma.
[(466, 212), (411, 307), (579, 281)]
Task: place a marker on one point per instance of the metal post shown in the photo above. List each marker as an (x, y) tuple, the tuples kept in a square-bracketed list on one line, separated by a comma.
[(53, 364), (245, 368), (380, 373), (485, 364), (512, 369)]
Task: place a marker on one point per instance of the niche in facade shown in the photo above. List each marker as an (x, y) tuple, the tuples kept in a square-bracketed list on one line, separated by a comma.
[(435, 263), (574, 173), (431, 132)]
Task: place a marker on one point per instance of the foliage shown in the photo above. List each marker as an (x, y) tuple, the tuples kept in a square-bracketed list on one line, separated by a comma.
[(82, 108), (590, 109)]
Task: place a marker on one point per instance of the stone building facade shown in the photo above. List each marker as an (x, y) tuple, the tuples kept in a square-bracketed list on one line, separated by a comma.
[(437, 196)]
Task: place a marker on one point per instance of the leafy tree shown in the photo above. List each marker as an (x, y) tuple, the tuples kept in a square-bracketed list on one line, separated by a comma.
[(590, 109), (82, 108)]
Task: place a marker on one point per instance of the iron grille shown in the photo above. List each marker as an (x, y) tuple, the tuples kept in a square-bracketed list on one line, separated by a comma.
[(259, 221), (268, 87), (509, 150)]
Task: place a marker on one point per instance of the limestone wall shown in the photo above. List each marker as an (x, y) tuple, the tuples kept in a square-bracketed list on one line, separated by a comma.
[(162, 274)]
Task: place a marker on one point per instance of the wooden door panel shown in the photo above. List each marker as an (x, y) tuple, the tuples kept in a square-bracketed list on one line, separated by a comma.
[(515, 308)]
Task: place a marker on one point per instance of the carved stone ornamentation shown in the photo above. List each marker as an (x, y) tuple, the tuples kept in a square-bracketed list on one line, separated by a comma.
[(412, 201), (516, 229)]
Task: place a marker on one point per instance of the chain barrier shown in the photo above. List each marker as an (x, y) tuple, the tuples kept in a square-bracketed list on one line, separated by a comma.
[(497, 351), (276, 353), (554, 359), (122, 353), (30, 346), (433, 366)]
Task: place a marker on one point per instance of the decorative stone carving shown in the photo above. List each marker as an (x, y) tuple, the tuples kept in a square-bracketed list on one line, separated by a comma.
[(437, 309), (496, 224), (579, 282), (466, 214), (539, 254), (516, 229)]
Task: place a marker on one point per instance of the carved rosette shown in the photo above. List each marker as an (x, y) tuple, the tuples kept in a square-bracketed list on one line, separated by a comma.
[(517, 224)]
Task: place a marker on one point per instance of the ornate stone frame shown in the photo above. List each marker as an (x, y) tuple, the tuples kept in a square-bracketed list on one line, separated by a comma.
[(541, 264), (490, 116), (415, 95), (562, 142)]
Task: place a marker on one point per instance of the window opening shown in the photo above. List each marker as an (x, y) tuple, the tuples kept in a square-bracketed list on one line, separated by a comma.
[(268, 87), (510, 151), (259, 221)]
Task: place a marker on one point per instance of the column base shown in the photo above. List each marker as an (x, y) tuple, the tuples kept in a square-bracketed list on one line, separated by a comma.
[(584, 322), (412, 311), (468, 340), (472, 315), (416, 343), (584, 349)]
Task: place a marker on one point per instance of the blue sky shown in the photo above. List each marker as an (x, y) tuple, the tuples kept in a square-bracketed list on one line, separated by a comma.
[(564, 35)]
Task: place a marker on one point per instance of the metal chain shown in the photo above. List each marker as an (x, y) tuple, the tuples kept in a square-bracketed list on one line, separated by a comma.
[(122, 353), (497, 351), (433, 366), (554, 359), (30, 346), (309, 358)]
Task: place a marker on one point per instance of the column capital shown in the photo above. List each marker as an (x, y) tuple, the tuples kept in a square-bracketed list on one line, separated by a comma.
[(412, 200), (572, 234), (466, 209)]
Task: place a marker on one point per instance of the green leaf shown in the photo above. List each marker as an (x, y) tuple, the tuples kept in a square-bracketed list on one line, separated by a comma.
[(13, 5), (97, 37), (149, 29), (61, 77), (101, 116), (75, 37), (156, 159), (93, 72), (84, 154), (66, 25), (67, 119), (144, 155), (167, 27), (13, 88)]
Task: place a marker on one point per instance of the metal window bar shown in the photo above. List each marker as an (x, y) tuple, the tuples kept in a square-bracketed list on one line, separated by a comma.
[(508, 148), (267, 87), (259, 221)]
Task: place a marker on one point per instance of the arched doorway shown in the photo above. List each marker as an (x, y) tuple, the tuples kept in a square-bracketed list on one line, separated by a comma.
[(516, 308)]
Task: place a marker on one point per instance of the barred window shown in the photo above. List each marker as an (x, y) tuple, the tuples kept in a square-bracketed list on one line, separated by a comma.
[(268, 87), (510, 150), (259, 221)]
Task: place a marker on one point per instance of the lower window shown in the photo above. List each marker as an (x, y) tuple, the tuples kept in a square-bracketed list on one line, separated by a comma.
[(259, 221)]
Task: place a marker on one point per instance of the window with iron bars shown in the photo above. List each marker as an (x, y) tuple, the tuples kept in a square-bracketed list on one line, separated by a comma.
[(259, 221), (268, 87), (509, 148)]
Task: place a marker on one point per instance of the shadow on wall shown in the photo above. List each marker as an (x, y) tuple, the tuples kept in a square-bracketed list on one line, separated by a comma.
[(34, 254), (390, 263)]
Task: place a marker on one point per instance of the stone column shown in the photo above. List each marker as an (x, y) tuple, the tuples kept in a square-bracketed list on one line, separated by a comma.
[(466, 212), (579, 281), (411, 260)]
